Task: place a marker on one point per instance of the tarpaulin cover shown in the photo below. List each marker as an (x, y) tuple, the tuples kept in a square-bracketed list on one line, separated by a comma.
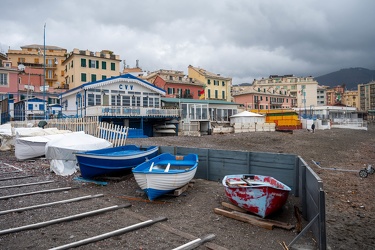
[(61, 151), (33, 146)]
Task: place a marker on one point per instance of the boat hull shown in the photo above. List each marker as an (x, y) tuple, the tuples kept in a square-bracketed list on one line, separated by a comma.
[(113, 160), (265, 196), (155, 181)]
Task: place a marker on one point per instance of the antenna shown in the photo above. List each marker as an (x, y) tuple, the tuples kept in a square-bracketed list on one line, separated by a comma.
[(21, 67)]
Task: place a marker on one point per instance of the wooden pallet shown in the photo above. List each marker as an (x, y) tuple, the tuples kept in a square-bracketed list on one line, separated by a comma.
[(241, 215)]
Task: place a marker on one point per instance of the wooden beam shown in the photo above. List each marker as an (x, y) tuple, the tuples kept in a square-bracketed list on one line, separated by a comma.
[(274, 222), (233, 207), (179, 191), (243, 217), (254, 220)]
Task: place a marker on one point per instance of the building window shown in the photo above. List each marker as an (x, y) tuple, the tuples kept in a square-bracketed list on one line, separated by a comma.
[(71, 65), (3, 79), (36, 60), (104, 65), (90, 99), (145, 101), (92, 64), (72, 78), (208, 81), (93, 78), (223, 83), (266, 98), (113, 66), (171, 78), (104, 77), (209, 93), (49, 74), (170, 91), (223, 94), (83, 77), (126, 101), (216, 94), (83, 62)]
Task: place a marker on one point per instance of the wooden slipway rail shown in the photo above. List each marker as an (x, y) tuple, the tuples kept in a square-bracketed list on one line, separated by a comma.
[(192, 244), (68, 218), (111, 234)]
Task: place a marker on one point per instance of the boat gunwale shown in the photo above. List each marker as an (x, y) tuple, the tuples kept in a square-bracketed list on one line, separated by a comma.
[(151, 150), (267, 184)]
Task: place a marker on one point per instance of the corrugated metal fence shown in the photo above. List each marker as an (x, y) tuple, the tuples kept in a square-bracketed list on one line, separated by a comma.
[(288, 168)]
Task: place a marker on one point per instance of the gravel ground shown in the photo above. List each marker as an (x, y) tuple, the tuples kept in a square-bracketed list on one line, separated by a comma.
[(349, 199)]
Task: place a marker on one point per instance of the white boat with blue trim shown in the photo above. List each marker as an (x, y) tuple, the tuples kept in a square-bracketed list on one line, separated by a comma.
[(165, 173)]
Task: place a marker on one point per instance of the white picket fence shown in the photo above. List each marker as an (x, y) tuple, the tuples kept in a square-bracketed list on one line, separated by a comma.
[(116, 134), (87, 124), (113, 133)]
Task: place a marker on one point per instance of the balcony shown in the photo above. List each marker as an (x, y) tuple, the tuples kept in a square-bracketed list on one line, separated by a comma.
[(276, 102), (130, 111)]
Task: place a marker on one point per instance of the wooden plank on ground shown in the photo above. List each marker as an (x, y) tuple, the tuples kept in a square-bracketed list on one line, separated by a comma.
[(257, 221), (243, 217), (274, 222), (233, 207), (179, 191), (182, 189)]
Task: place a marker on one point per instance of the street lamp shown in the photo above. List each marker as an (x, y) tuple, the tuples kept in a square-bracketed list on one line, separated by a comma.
[(44, 77)]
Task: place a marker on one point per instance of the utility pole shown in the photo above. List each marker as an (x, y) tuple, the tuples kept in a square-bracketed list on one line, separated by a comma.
[(44, 77)]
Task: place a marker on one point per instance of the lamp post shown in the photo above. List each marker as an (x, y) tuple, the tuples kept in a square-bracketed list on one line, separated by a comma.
[(44, 75)]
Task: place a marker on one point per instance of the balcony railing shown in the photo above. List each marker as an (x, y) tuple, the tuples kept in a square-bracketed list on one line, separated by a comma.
[(129, 111)]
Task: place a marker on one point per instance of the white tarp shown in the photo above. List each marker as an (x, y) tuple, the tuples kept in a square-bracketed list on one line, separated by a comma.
[(247, 117), (5, 137), (61, 151), (33, 146), (8, 134)]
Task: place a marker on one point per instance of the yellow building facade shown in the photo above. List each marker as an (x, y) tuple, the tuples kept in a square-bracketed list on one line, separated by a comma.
[(217, 87), (82, 66), (33, 56), (351, 98)]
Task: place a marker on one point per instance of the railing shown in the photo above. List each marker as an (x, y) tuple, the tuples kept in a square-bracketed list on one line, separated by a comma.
[(129, 111)]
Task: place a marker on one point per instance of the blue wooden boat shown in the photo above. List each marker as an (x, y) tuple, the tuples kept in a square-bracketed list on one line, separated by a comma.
[(109, 161), (165, 173)]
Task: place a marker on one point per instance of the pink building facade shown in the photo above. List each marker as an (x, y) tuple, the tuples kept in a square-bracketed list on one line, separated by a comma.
[(264, 101)]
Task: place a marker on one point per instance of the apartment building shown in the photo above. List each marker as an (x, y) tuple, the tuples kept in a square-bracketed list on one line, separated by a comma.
[(269, 98), (321, 95), (350, 98), (304, 89), (33, 56), (176, 84), (334, 95), (217, 87), (366, 93), (82, 66)]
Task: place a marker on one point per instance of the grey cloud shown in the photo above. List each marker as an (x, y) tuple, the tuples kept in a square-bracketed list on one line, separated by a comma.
[(239, 39)]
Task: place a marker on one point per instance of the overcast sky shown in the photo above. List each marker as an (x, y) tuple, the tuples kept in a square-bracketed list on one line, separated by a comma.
[(242, 39)]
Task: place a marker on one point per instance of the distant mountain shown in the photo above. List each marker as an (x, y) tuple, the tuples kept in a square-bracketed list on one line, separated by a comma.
[(350, 77)]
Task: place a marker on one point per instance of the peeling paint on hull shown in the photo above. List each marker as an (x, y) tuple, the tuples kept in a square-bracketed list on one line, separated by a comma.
[(264, 197)]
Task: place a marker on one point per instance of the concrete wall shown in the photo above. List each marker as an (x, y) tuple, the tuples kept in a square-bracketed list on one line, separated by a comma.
[(290, 169)]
